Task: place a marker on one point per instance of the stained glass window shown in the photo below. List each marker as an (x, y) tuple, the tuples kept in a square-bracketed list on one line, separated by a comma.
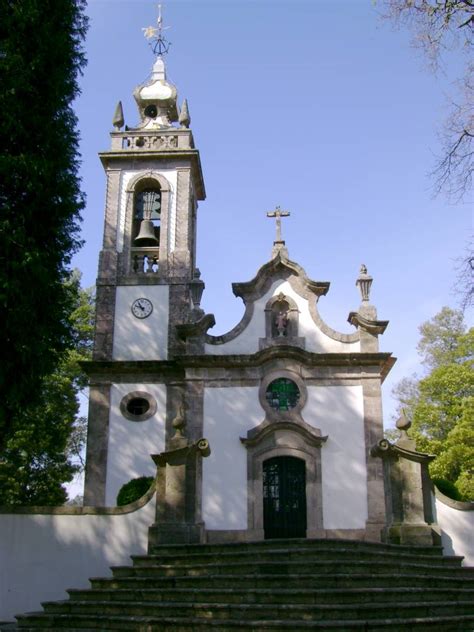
[(282, 394)]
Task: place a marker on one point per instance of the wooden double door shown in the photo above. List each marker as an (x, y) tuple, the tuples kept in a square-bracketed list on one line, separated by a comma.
[(284, 497)]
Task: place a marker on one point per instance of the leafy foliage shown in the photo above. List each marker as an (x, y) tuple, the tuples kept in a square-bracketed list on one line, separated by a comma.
[(133, 490), (439, 26), (441, 405), (44, 449), (447, 488), (40, 200)]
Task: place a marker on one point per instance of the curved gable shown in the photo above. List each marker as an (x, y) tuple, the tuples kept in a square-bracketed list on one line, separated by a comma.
[(281, 281)]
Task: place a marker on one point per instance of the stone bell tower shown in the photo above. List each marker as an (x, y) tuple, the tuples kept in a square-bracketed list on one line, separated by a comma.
[(147, 279)]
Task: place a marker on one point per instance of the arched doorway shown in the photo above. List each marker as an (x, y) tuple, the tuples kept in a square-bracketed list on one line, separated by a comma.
[(284, 497)]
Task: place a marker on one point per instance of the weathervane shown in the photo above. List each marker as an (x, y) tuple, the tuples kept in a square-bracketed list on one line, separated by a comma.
[(154, 34), (278, 214)]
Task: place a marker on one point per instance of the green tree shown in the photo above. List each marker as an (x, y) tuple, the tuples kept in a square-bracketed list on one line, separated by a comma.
[(441, 404), (45, 448), (41, 56), (439, 26)]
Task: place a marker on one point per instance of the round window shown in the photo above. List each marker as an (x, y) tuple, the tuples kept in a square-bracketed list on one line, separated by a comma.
[(282, 394), (138, 406)]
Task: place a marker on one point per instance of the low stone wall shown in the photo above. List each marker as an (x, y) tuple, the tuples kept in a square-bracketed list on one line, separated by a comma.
[(45, 550), (456, 521)]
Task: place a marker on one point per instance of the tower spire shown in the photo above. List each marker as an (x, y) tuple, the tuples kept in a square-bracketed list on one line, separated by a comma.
[(157, 97)]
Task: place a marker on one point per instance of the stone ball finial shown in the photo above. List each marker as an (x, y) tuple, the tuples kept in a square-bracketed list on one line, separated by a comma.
[(403, 423), (364, 283)]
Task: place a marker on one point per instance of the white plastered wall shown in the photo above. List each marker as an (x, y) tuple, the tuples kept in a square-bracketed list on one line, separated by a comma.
[(132, 442), (336, 410), (457, 531), (141, 338), (228, 414), (41, 555), (248, 340), (125, 177)]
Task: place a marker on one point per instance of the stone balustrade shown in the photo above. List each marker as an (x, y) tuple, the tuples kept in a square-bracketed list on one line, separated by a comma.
[(145, 260), (169, 140)]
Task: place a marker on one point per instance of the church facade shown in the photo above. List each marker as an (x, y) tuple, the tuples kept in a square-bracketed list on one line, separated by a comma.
[(289, 407)]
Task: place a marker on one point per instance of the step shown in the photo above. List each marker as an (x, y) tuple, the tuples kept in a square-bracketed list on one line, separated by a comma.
[(294, 612), (282, 567), (295, 580), (323, 545), (275, 595), (290, 554), (172, 624)]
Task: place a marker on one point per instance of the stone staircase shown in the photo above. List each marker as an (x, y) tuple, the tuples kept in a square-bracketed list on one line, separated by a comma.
[(272, 585)]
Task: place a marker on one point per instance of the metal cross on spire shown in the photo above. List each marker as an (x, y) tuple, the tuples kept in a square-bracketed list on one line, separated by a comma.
[(154, 34), (278, 214)]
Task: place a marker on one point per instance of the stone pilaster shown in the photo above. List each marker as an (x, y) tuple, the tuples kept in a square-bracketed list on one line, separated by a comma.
[(97, 445), (180, 263), (373, 429)]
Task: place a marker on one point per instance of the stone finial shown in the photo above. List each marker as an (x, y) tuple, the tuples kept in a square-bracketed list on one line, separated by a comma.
[(118, 120), (403, 424), (184, 117), (364, 282), (179, 422)]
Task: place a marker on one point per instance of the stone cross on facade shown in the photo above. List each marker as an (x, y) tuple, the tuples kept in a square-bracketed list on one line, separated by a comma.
[(278, 214)]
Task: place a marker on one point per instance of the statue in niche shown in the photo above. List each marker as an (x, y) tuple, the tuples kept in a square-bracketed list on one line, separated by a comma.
[(281, 323), (280, 318)]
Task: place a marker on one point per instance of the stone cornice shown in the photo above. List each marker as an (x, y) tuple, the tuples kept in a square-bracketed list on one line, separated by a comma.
[(113, 369), (133, 156), (170, 369), (272, 270)]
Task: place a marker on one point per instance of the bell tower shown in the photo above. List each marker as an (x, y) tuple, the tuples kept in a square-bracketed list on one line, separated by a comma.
[(147, 279)]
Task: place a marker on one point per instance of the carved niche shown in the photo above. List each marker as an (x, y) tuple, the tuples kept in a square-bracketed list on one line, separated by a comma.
[(281, 323)]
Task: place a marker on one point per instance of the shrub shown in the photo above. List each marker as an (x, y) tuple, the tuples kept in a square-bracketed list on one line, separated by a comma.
[(448, 489), (133, 490)]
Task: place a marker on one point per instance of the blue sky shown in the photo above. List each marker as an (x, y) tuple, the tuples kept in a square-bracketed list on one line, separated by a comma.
[(315, 105)]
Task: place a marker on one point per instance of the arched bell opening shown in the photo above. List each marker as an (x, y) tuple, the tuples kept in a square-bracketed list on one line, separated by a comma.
[(284, 497), (147, 217)]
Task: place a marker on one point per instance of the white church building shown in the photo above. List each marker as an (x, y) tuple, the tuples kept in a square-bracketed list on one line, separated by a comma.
[(290, 407), (272, 430)]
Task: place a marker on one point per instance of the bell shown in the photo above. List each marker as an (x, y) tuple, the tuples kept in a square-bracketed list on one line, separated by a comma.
[(146, 236)]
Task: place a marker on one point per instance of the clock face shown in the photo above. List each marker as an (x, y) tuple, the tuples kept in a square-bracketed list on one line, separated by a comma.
[(142, 307)]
